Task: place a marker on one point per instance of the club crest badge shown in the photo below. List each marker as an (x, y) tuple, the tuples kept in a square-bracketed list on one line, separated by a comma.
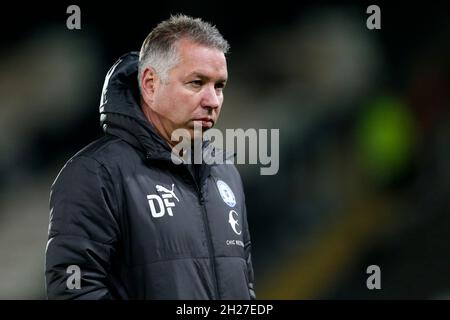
[(226, 193)]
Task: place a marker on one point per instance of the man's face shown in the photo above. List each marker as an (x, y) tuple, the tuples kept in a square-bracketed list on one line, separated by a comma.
[(192, 92)]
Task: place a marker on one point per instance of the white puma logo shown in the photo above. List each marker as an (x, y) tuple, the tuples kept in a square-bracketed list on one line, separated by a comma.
[(165, 190)]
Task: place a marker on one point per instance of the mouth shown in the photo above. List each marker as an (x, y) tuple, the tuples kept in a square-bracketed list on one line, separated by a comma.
[(206, 122)]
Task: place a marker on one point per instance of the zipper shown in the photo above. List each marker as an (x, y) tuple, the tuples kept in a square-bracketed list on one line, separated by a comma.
[(210, 246), (208, 236)]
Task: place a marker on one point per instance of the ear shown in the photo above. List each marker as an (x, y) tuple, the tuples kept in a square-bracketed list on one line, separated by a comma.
[(149, 83)]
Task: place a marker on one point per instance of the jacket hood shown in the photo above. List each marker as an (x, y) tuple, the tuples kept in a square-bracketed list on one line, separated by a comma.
[(120, 111)]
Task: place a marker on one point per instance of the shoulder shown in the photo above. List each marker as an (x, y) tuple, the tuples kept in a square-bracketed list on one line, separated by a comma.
[(97, 158), (105, 150)]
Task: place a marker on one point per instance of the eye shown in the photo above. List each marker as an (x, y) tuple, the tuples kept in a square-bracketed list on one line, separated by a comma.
[(220, 86), (196, 83)]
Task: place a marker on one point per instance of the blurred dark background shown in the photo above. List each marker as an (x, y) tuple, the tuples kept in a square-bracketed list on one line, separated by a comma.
[(364, 123)]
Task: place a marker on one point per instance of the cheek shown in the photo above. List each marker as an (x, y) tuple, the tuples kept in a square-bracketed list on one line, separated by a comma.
[(168, 102), (185, 102), (180, 106), (177, 104)]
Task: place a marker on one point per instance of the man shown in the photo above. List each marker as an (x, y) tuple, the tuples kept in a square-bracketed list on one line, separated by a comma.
[(126, 222)]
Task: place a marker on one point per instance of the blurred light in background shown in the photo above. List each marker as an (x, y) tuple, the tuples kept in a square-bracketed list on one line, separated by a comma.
[(386, 137)]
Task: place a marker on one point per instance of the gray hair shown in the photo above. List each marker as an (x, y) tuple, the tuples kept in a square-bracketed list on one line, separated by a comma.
[(159, 48)]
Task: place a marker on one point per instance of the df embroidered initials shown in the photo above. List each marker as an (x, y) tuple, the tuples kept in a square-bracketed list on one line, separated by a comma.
[(158, 206)]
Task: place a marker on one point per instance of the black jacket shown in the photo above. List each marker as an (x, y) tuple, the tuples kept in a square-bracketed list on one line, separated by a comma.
[(138, 226)]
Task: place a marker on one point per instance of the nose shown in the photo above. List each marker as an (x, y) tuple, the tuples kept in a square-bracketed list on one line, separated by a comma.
[(211, 98)]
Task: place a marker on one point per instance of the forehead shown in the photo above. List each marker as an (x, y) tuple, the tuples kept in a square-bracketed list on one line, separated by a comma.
[(200, 59)]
